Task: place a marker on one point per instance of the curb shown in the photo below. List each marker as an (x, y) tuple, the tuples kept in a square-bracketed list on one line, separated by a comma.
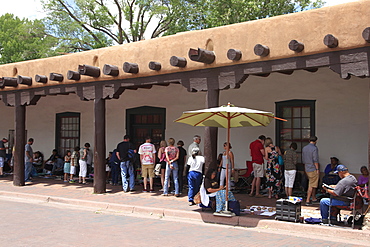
[(206, 217)]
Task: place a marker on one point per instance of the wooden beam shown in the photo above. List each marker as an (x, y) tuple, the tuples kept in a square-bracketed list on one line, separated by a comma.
[(132, 68), (99, 144), (20, 142), (178, 61), (89, 70), (201, 55), (211, 133)]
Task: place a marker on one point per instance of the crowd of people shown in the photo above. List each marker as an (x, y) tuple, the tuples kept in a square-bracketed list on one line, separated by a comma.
[(180, 168)]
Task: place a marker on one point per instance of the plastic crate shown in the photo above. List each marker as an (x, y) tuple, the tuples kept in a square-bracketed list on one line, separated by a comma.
[(287, 210)]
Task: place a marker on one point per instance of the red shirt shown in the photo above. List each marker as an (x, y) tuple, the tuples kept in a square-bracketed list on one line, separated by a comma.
[(255, 148)]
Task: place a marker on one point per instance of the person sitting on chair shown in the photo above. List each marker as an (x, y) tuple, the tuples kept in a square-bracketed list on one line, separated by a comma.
[(330, 177), (340, 194)]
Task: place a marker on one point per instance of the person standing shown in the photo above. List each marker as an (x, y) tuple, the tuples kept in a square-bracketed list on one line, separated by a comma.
[(28, 159), (2, 155), (181, 163), (115, 167), (273, 169), (127, 168), (227, 161), (310, 159), (194, 144), (290, 163), (172, 155), (74, 164), (83, 164), (147, 159), (257, 152), (89, 160), (196, 163)]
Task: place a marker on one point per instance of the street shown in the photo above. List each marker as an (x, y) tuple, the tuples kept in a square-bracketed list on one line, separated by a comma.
[(40, 224)]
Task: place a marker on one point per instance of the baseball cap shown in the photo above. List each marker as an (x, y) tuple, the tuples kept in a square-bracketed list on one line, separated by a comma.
[(341, 168), (195, 150)]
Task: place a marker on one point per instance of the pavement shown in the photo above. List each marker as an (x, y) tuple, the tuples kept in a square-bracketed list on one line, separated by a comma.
[(153, 205)]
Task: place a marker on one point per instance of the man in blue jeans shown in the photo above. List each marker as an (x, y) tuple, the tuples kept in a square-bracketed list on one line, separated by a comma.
[(28, 159), (340, 194), (127, 168)]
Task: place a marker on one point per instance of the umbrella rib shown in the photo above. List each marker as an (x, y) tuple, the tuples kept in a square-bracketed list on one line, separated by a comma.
[(186, 117), (205, 119), (253, 119), (282, 119)]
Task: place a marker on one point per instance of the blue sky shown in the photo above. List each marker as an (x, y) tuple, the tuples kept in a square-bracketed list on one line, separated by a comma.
[(32, 8)]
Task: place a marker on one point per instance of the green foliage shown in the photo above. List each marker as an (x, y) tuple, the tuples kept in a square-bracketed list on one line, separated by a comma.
[(90, 24), (202, 14), (24, 40)]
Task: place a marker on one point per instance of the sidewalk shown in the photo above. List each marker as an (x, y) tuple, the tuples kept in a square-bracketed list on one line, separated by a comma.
[(155, 205)]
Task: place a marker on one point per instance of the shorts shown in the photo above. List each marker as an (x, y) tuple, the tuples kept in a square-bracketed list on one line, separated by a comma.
[(67, 167), (73, 170), (2, 161), (313, 179), (258, 170), (147, 170), (107, 168), (163, 165), (289, 178)]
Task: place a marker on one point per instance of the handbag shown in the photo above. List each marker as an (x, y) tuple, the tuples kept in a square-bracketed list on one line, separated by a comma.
[(197, 199), (157, 169), (280, 160)]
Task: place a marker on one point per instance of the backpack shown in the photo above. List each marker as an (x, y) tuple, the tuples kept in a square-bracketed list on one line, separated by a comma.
[(131, 155)]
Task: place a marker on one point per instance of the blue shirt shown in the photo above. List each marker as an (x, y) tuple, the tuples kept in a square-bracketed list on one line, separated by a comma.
[(310, 156)]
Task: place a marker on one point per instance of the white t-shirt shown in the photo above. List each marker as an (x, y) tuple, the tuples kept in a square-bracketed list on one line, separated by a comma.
[(196, 164), (147, 150)]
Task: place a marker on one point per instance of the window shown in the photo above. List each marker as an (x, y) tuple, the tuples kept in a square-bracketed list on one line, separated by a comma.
[(67, 131), (300, 125)]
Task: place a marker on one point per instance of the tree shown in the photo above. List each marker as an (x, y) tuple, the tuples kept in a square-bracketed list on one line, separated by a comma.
[(89, 24), (202, 14), (22, 39)]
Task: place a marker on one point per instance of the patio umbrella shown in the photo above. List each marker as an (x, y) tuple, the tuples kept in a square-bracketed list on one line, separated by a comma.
[(227, 116)]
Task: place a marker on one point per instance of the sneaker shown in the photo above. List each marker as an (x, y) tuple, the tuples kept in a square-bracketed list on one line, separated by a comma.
[(308, 203), (151, 191), (191, 203), (161, 190), (132, 190), (173, 192), (71, 181), (65, 181), (164, 194), (145, 190), (177, 195)]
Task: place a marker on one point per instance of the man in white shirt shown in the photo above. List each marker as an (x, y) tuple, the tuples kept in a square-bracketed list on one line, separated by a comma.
[(147, 158)]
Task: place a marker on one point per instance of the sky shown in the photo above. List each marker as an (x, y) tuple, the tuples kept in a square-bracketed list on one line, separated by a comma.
[(32, 9)]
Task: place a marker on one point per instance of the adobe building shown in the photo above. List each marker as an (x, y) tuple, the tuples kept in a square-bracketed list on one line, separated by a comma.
[(311, 68)]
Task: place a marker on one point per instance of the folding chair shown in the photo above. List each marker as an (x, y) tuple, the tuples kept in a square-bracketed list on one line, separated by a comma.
[(360, 198), (244, 176)]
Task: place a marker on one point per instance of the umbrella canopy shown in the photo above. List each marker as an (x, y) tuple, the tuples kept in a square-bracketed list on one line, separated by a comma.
[(228, 116)]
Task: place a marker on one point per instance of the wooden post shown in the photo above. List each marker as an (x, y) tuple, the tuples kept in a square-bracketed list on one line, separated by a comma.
[(20, 142), (211, 133), (99, 146)]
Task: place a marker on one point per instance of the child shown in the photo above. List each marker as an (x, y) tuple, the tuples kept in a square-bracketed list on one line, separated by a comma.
[(364, 178), (67, 165)]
